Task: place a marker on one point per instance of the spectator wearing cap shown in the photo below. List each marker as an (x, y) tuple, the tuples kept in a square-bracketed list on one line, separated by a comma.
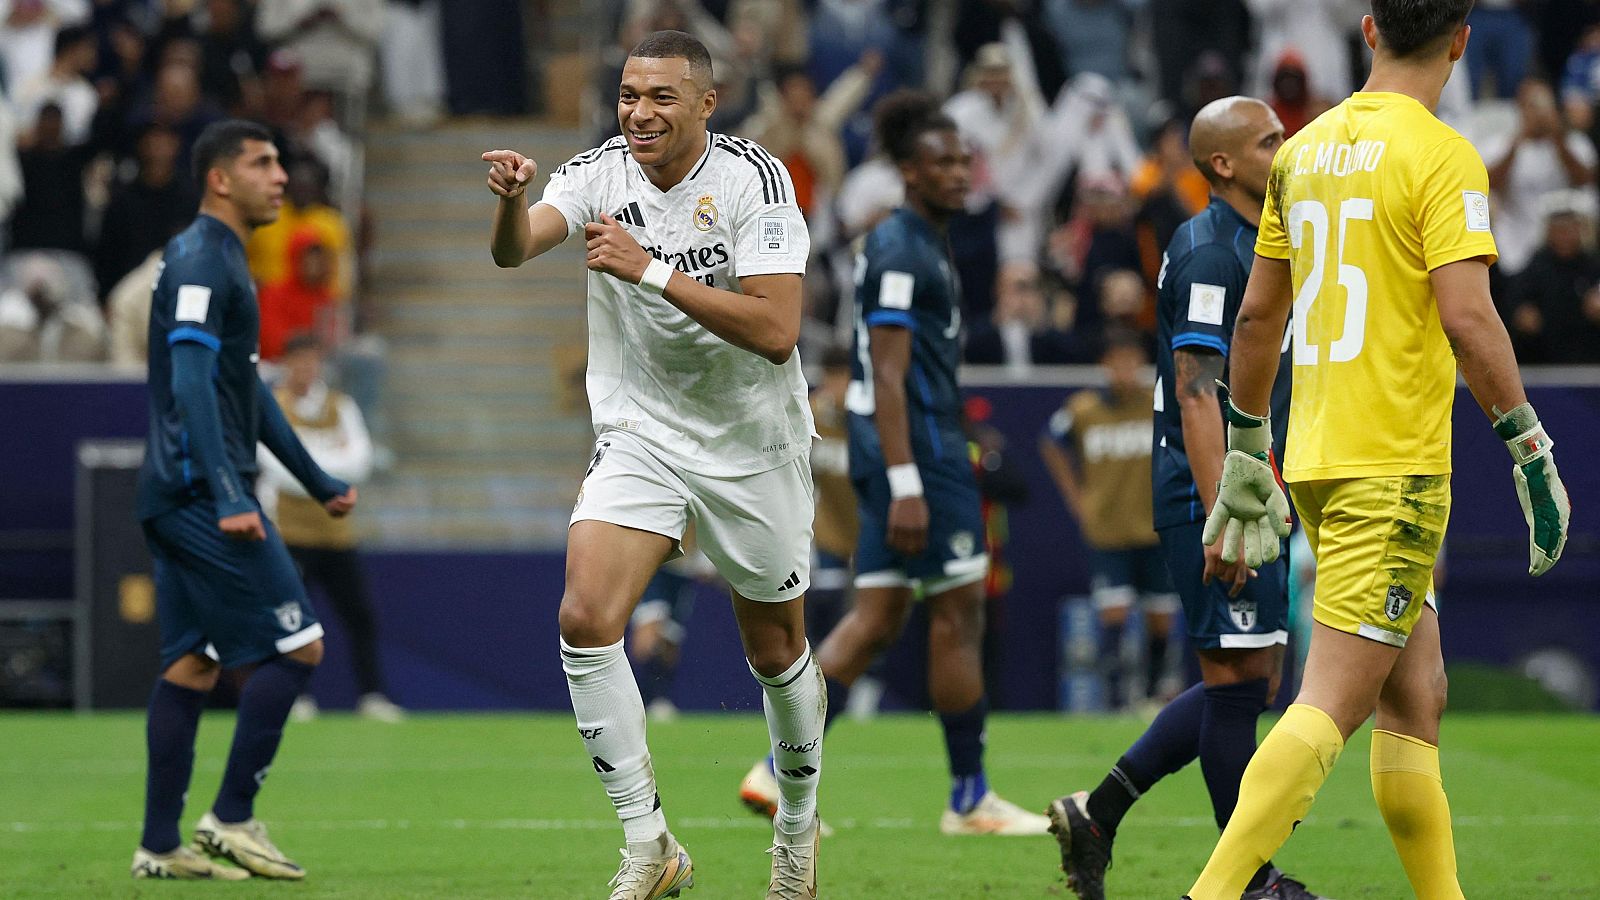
[(304, 299), (1541, 155), (1555, 317), (65, 84), (335, 39)]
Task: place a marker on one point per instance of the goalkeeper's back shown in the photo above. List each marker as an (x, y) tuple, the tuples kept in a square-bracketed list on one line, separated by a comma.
[(1364, 202)]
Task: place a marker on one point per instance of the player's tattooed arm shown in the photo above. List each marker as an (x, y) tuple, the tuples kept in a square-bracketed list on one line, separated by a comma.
[(1205, 444), (1197, 371)]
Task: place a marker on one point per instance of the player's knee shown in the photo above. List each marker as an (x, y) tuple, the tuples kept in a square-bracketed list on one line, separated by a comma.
[(586, 623), (956, 623), (310, 654), (195, 672), (774, 658)]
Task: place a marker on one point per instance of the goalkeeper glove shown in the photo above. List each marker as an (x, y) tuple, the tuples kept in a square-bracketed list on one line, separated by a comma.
[(1251, 508), (1539, 488)]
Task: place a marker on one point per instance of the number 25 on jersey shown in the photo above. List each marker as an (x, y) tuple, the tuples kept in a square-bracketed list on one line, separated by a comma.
[(1313, 215)]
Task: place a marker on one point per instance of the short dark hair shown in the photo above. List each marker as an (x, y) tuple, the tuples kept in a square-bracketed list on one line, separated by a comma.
[(903, 117), (1411, 26), (677, 45), (71, 36), (222, 141), (300, 341)]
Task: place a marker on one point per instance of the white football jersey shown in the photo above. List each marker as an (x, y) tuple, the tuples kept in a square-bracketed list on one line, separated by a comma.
[(713, 408)]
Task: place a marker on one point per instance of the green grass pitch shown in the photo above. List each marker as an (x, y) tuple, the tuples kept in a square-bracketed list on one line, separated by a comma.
[(507, 806)]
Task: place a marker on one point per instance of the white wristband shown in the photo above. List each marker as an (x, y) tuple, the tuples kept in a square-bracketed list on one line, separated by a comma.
[(655, 277), (905, 481)]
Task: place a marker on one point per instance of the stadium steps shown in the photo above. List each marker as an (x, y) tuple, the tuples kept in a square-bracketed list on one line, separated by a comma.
[(488, 444)]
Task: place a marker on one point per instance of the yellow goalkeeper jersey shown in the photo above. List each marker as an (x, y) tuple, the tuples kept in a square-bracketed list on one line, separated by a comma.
[(1364, 202)]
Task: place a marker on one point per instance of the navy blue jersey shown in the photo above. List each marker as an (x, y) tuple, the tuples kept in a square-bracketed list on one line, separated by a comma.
[(1198, 294), (904, 277), (203, 294)]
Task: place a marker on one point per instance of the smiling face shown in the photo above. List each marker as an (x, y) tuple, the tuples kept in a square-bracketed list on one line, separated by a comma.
[(662, 108)]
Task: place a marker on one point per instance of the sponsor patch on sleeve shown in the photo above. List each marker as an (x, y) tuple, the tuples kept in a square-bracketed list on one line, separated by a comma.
[(1477, 204), (194, 301), (774, 234), (894, 292), (1205, 303)]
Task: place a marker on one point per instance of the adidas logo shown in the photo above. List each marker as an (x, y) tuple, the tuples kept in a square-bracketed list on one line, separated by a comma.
[(802, 772), (630, 215), (793, 582)]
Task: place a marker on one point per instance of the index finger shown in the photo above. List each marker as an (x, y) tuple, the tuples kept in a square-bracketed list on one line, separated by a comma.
[(505, 156)]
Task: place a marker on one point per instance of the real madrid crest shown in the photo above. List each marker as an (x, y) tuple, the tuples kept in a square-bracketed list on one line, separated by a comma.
[(705, 214)]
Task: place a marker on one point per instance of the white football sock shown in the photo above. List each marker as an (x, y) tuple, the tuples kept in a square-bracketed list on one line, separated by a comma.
[(611, 722), (796, 703)]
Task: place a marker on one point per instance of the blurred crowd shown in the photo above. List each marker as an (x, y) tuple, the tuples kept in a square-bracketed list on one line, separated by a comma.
[(1078, 113), (100, 102)]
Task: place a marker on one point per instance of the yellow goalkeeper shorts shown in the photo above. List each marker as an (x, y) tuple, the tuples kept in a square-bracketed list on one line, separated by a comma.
[(1375, 541)]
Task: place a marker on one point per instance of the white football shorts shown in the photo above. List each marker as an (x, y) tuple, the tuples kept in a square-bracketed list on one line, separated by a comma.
[(756, 529)]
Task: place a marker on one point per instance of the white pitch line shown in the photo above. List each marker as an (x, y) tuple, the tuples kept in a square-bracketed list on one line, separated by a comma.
[(713, 823)]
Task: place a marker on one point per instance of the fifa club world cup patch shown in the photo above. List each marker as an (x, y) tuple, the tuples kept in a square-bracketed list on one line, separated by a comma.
[(1397, 602), (774, 234), (705, 214), (1205, 303), (1477, 204)]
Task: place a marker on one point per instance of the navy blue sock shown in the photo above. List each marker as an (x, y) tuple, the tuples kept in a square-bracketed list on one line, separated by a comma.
[(1111, 663), (1171, 742), (655, 679), (838, 700), (263, 708), (169, 729), (1228, 740), (963, 741)]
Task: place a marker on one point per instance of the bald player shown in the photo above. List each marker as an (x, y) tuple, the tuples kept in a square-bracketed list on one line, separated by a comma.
[(1237, 616)]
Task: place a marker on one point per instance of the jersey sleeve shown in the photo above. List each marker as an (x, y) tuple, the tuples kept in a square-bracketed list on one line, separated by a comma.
[(1452, 203), (769, 233), (201, 290), (888, 286), (1272, 241), (1206, 290), (567, 193)]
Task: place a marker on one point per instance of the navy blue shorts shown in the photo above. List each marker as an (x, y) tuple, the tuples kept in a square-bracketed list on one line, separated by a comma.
[(1258, 617), (955, 553), (239, 602), (1122, 576)]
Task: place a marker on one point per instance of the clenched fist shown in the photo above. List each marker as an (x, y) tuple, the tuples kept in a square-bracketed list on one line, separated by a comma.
[(614, 251)]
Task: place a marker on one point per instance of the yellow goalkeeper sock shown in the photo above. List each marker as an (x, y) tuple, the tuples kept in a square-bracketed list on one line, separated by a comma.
[(1410, 794), (1276, 792)]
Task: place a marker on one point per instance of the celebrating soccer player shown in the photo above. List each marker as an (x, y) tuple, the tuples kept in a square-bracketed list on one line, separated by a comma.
[(1238, 616), (920, 512), (695, 253), (1376, 231), (227, 593)]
